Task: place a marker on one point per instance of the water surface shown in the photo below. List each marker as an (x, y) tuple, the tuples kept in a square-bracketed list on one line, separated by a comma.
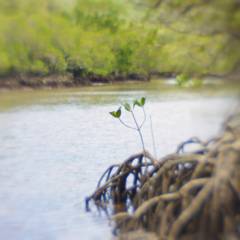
[(56, 143)]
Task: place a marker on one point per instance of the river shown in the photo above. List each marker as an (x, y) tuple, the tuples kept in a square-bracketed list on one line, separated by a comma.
[(54, 145)]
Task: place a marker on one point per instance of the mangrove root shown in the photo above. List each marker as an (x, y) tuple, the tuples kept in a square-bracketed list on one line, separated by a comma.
[(184, 195)]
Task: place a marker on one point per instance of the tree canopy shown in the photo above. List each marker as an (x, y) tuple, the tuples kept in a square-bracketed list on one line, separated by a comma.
[(118, 38), (209, 27)]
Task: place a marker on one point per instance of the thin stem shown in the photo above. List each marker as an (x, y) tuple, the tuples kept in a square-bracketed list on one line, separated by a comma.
[(126, 125), (144, 118), (139, 130), (153, 138), (142, 141)]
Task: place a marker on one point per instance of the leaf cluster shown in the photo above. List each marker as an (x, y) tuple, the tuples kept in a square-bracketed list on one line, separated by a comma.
[(129, 107)]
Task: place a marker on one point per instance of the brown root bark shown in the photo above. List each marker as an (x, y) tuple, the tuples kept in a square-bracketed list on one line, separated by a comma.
[(182, 196)]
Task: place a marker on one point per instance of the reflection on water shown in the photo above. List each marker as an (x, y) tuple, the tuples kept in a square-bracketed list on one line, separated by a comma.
[(55, 145)]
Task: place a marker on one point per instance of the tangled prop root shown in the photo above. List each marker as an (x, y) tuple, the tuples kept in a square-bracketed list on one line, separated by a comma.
[(182, 196)]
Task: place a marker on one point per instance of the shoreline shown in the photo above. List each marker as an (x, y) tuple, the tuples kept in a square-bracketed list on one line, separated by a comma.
[(58, 81), (54, 81)]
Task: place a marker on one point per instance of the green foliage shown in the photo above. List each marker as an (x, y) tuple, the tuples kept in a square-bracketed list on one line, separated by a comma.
[(118, 38), (96, 36), (140, 102), (129, 107), (116, 114), (182, 80), (38, 68), (201, 36), (197, 82)]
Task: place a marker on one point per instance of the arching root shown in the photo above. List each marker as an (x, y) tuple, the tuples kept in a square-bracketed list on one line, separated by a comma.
[(185, 195)]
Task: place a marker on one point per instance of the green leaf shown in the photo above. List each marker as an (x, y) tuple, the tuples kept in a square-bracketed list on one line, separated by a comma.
[(116, 114), (127, 107), (142, 101), (113, 113), (136, 102)]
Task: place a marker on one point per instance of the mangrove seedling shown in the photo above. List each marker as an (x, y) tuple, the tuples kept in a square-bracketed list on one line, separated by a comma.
[(130, 107)]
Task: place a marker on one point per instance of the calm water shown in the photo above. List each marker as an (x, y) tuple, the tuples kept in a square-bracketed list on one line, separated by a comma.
[(55, 144)]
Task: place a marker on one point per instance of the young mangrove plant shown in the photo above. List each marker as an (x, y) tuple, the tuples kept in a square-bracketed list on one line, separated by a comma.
[(129, 108), (184, 195)]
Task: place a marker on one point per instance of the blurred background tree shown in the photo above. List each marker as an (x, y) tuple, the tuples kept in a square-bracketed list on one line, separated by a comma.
[(119, 38), (205, 33)]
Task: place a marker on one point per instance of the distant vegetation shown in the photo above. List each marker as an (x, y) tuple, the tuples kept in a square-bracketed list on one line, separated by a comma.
[(103, 38), (202, 36)]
